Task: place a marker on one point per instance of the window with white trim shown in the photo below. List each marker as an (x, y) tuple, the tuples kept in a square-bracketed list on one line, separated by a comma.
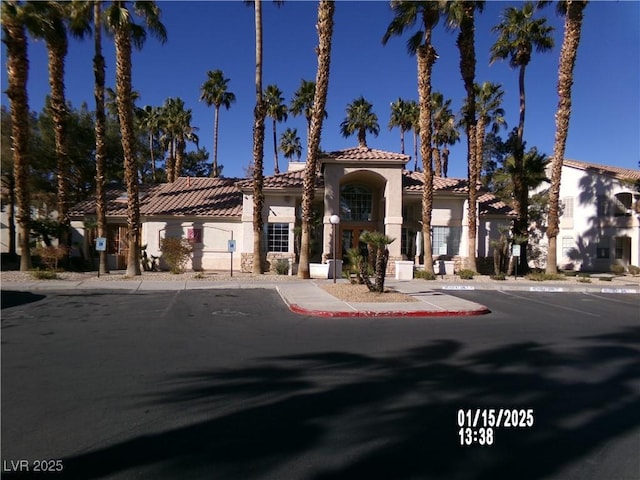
[(567, 246), (448, 237), (277, 237)]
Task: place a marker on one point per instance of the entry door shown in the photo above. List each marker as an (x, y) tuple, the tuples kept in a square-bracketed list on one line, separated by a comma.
[(351, 239)]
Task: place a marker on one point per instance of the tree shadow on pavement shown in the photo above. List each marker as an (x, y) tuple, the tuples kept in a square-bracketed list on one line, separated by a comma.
[(334, 415), (12, 298)]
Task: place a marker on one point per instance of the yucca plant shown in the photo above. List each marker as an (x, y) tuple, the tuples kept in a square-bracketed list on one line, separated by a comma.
[(378, 243)]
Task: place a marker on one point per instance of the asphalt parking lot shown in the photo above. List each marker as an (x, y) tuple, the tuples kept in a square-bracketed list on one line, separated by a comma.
[(230, 384)]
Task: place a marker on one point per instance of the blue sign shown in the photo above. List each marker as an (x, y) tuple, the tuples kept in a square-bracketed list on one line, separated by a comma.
[(101, 244), (231, 246)]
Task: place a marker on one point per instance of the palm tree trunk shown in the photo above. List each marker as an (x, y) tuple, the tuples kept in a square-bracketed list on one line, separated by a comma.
[(153, 159), (568, 54), (125, 113), (402, 140), (326, 10), (519, 188), (214, 168), (171, 162), (180, 147), (11, 217), (466, 46), (57, 52), (100, 125), (426, 58), (472, 210), (415, 150), (17, 73), (276, 169), (258, 149)]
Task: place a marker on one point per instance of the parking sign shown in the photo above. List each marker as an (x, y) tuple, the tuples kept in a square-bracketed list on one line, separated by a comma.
[(101, 244)]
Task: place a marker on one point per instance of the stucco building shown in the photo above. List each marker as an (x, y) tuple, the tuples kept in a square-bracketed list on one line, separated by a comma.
[(368, 189)]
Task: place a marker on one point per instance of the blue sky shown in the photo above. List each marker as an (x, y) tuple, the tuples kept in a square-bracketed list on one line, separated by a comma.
[(202, 36)]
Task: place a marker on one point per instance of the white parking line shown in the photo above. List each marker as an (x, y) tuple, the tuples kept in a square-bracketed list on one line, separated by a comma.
[(550, 304)]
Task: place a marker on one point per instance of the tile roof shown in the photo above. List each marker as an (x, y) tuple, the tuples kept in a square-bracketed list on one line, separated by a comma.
[(116, 196), (617, 172), (364, 153), (413, 182), (281, 181), (490, 205), (199, 196), (215, 197)]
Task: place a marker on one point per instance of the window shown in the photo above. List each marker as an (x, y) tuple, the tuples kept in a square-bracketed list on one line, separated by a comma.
[(567, 205), (446, 239), (602, 249), (278, 237), (356, 203), (194, 235), (622, 204), (408, 242), (567, 247)]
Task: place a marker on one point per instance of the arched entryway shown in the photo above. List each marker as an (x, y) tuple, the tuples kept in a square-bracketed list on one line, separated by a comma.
[(362, 208)]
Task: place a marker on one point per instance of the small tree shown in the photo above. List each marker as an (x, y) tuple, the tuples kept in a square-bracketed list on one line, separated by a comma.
[(176, 252), (377, 242), (50, 256)]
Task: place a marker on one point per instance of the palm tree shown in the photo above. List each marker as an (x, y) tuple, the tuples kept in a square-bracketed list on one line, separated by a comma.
[(100, 129), (414, 119), (290, 144), (176, 123), (326, 9), (214, 92), (401, 117), (448, 136), (490, 114), (51, 19), (127, 33), (426, 14), (14, 19), (461, 15), (259, 113), (361, 119), (441, 114), (277, 111), (518, 35), (150, 120), (573, 11), (302, 103)]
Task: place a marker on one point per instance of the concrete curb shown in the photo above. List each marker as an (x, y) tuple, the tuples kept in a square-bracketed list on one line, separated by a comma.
[(389, 313)]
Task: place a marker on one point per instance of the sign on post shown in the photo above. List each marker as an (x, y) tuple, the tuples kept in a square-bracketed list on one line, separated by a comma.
[(231, 247), (101, 244), (515, 250)]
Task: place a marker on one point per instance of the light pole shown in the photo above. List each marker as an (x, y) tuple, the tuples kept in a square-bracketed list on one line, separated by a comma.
[(334, 220)]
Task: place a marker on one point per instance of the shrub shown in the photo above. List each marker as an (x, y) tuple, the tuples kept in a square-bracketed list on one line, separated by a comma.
[(44, 274), (50, 256), (176, 252), (633, 270), (282, 266), (541, 276), (425, 275), (584, 279), (617, 269), (467, 274), (498, 276)]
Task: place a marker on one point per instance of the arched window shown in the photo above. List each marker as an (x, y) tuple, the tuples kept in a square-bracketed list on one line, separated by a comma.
[(356, 203)]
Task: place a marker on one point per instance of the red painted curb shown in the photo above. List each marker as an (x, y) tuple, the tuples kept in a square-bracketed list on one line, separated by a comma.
[(417, 313)]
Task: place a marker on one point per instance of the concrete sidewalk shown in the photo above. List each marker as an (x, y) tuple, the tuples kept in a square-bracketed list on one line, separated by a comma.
[(308, 298)]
